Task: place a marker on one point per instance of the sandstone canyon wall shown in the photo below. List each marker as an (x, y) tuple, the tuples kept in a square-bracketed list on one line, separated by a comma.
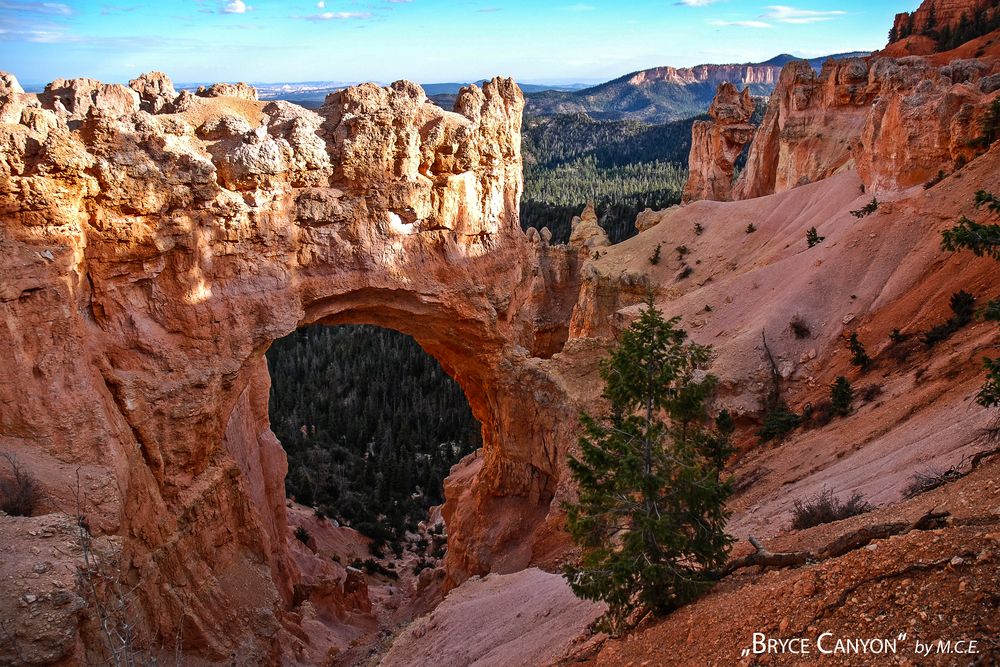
[(709, 74), (716, 144), (939, 14), (898, 121), (155, 243)]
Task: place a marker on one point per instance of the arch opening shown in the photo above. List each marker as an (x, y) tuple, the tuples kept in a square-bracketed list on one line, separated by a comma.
[(371, 425)]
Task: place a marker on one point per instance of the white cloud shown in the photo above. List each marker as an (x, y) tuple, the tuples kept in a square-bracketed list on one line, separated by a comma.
[(339, 16), (50, 8), (695, 3), (320, 4), (742, 24), (786, 14), (235, 7)]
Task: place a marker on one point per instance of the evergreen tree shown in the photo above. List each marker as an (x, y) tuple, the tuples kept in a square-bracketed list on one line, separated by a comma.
[(651, 511), (813, 238), (983, 240), (859, 357), (841, 396)]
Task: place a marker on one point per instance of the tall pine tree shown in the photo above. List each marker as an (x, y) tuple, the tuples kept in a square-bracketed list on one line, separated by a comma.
[(651, 514), (982, 240)]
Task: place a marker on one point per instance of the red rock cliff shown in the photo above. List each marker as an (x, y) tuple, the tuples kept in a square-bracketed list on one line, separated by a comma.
[(939, 15), (716, 144), (154, 244), (898, 121)]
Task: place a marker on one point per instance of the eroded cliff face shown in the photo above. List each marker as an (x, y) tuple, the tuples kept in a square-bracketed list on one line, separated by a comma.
[(154, 245), (710, 74), (938, 15), (716, 144), (899, 121)]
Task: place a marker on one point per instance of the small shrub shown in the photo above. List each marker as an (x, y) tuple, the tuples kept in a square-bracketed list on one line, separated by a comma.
[(867, 209), (935, 180), (928, 480), (751, 228), (20, 493), (302, 534), (698, 229), (708, 308), (870, 392), (963, 308), (422, 564), (685, 272), (800, 328), (779, 421), (841, 396), (682, 252), (896, 336), (992, 310), (963, 305), (989, 394), (859, 357), (813, 238), (372, 566), (655, 257), (826, 508), (319, 513), (818, 415)]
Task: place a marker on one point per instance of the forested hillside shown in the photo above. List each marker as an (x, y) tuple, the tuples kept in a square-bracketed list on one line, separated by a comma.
[(371, 425), (623, 166)]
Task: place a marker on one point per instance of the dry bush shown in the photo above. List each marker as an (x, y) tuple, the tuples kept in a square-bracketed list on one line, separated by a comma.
[(20, 492), (930, 479), (800, 328), (824, 507), (817, 415), (870, 392), (901, 350)]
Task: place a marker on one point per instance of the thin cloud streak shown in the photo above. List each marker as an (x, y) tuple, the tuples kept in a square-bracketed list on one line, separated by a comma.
[(741, 24), (786, 14)]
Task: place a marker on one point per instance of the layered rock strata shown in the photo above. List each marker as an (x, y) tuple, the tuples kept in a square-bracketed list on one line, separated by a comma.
[(155, 243), (716, 144), (899, 121)]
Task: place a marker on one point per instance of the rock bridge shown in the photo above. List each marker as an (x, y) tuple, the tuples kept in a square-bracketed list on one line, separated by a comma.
[(156, 243)]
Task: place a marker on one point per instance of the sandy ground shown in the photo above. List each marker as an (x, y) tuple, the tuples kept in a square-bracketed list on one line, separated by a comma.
[(530, 617)]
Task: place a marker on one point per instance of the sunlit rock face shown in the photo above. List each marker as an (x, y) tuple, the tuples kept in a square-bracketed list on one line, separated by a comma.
[(897, 120), (155, 243), (716, 144)]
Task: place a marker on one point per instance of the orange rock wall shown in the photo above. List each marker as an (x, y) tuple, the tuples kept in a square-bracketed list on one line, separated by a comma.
[(899, 121), (155, 243)]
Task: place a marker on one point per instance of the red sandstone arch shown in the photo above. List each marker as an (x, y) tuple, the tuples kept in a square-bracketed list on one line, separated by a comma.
[(155, 256)]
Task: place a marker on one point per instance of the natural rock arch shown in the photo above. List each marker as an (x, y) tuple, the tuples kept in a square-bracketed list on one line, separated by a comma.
[(159, 244)]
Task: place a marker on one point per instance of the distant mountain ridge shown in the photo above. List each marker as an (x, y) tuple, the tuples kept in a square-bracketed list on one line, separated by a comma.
[(655, 95), (665, 94)]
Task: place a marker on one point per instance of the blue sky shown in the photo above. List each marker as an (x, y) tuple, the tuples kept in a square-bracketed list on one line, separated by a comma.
[(422, 40)]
